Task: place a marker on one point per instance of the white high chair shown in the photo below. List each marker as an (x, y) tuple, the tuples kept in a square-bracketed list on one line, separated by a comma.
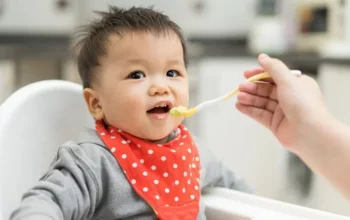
[(36, 119)]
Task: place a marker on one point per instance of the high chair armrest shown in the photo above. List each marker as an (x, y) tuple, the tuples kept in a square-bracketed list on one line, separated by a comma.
[(226, 204)]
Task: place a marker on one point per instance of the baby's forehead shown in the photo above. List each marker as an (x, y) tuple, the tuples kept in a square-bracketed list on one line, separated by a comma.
[(124, 37), (143, 45)]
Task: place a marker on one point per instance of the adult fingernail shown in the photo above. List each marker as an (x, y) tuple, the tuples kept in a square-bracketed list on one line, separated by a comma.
[(263, 56)]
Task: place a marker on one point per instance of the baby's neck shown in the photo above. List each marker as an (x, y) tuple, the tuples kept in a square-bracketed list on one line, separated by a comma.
[(167, 139)]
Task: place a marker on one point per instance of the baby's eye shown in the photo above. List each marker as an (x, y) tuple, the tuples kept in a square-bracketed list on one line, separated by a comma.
[(172, 73), (136, 75)]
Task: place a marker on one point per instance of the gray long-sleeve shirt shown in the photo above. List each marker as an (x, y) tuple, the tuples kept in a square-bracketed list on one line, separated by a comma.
[(86, 182)]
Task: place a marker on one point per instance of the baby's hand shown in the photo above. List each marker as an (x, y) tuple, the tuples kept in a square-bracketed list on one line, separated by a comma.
[(288, 105)]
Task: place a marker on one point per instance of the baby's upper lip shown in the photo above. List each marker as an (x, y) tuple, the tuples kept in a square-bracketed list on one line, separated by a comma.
[(164, 103)]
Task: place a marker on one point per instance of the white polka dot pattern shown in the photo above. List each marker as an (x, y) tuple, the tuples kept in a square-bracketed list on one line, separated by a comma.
[(165, 175)]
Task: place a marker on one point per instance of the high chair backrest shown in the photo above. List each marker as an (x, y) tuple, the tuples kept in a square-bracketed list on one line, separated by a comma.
[(34, 121)]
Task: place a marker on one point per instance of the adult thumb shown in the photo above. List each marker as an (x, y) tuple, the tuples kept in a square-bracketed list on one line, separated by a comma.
[(279, 72)]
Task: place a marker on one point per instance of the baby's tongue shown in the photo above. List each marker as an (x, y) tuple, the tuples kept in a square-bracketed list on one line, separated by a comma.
[(158, 110)]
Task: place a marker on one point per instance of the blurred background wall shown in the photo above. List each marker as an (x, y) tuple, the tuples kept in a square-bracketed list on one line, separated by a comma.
[(224, 37)]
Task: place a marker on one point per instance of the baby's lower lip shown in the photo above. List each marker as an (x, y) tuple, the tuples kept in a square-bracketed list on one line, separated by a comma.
[(159, 116)]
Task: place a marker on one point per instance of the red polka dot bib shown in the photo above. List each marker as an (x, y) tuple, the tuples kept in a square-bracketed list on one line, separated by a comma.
[(166, 176)]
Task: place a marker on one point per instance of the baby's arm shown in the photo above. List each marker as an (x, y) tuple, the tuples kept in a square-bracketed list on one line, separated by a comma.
[(68, 190), (215, 174)]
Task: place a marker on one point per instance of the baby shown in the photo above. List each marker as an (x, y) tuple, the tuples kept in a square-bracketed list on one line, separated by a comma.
[(139, 162)]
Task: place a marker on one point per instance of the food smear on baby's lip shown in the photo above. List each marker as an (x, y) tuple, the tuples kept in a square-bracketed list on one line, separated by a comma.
[(178, 111)]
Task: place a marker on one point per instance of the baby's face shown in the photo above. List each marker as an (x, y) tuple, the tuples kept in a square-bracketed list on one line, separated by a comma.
[(142, 76)]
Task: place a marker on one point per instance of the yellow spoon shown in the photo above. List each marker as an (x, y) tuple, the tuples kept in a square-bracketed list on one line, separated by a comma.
[(181, 111)]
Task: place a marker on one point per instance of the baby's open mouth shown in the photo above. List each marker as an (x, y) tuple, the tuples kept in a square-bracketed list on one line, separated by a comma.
[(163, 108)]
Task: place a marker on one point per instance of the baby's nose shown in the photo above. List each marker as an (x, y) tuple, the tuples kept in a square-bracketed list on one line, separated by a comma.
[(159, 90)]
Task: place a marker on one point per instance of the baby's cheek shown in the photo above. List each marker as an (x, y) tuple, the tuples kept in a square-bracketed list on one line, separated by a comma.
[(130, 100), (184, 98)]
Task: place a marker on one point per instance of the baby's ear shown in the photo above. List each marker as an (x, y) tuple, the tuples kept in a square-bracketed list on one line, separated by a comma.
[(93, 103)]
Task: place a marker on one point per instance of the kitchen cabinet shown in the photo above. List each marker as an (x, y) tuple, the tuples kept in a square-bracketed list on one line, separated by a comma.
[(333, 78), (7, 69), (241, 143), (198, 18), (248, 148), (38, 17)]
